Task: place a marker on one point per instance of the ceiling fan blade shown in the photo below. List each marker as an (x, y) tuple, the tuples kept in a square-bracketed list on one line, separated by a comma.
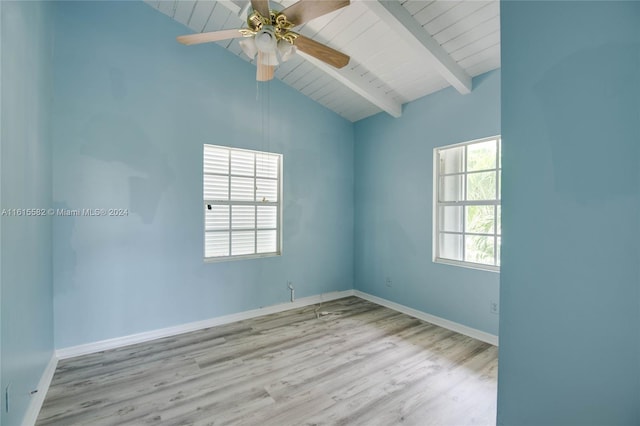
[(208, 37), (306, 10), (262, 7), (264, 72), (321, 51)]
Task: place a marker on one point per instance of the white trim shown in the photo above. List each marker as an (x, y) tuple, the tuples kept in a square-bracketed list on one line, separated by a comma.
[(445, 323), (470, 265), (119, 342), (146, 336), (45, 381), (35, 404)]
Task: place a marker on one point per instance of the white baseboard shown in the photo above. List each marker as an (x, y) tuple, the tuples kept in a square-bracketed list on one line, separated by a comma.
[(450, 325), (118, 342), (37, 399), (36, 403)]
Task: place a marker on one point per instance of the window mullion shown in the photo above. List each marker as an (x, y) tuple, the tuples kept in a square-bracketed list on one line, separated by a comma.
[(230, 207), (279, 205), (464, 209), (495, 209), (468, 203), (437, 164), (240, 203), (255, 208)]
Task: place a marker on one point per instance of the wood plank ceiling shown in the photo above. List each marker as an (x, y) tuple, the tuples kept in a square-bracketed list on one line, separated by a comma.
[(400, 50)]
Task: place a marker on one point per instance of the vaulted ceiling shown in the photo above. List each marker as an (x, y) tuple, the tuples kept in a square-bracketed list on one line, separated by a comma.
[(400, 50)]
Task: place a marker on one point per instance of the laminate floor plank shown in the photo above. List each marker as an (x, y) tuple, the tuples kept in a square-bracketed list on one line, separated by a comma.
[(369, 384), (426, 395), (343, 362)]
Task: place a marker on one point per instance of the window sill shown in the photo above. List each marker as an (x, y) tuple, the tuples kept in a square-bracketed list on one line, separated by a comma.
[(248, 256), (469, 265)]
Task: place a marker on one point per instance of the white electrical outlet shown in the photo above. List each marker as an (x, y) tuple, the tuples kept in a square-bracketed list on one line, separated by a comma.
[(494, 308)]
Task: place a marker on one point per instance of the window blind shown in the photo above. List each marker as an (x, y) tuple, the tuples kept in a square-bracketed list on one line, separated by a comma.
[(242, 202)]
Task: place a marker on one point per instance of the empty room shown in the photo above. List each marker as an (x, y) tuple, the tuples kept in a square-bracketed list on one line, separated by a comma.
[(320, 212)]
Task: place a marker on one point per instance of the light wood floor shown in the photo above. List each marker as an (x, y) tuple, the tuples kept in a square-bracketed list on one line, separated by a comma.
[(362, 364)]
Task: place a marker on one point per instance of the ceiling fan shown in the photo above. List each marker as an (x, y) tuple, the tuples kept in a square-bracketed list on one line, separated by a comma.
[(268, 35)]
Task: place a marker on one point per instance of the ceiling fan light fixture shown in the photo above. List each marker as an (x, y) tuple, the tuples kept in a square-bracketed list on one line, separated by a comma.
[(285, 50), (249, 47), (269, 36), (266, 40)]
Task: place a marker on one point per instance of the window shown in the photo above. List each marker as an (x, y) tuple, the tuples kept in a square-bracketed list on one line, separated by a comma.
[(242, 203), (467, 204)]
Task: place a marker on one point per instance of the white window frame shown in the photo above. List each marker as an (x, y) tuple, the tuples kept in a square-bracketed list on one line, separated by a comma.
[(278, 204), (437, 203)]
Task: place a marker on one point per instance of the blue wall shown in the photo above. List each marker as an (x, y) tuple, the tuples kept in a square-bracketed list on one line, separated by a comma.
[(25, 179), (132, 111), (393, 204), (569, 340)]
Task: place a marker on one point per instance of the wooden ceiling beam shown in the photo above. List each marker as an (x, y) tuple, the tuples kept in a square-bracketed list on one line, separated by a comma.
[(353, 81), (402, 23)]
